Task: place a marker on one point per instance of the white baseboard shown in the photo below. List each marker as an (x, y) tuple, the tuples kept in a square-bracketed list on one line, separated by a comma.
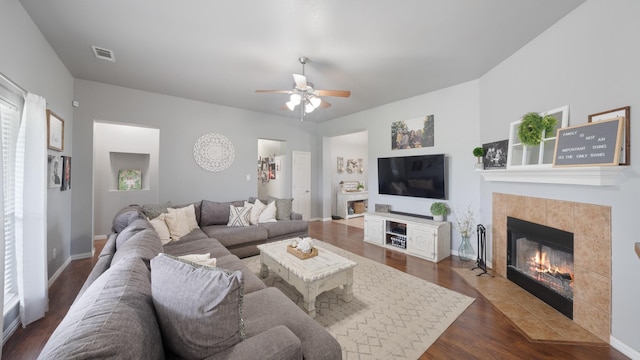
[(55, 275), (624, 348), (100, 237), (10, 330), (81, 256)]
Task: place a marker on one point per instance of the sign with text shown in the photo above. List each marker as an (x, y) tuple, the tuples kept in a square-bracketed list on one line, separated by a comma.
[(592, 144)]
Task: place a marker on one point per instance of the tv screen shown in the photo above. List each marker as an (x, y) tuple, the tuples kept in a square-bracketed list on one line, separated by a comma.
[(416, 176)]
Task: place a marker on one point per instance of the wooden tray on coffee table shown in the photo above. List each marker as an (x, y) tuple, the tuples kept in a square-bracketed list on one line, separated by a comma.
[(300, 254)]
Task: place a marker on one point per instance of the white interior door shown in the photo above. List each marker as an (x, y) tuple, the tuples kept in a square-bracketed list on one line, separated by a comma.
[(301, 183)]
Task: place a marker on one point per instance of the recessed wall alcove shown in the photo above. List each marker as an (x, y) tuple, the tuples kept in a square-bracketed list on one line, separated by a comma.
[(591, 226), (116, 147)]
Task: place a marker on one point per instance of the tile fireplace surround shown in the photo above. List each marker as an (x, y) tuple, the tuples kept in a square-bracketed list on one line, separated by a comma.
[(591, 226)]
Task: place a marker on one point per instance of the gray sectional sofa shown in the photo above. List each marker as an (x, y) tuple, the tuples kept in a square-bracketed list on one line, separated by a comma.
[(142, 302)]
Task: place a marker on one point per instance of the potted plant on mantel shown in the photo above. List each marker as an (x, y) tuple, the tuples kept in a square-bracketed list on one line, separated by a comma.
[(439, 210), (478, 152), (532, 125)]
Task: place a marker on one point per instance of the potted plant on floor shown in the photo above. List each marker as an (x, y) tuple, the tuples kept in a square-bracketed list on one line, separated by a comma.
[(478, 152), (439, 210)]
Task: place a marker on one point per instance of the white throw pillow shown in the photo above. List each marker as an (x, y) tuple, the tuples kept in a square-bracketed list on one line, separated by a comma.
[(200, 259), (190, 215), (256, 209), (239, 216), (161, 228), (177, 224), (268, 214)]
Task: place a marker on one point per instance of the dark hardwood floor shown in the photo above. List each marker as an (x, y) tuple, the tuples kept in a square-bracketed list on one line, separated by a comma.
[(481, 332)]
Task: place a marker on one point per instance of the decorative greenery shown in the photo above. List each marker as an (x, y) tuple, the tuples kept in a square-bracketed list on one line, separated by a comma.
[(360, 186), (530, 129), (465, 221), (478, 152), (439, 209)]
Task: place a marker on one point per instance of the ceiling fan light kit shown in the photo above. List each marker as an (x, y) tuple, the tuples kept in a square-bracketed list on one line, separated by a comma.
[(304, 94)]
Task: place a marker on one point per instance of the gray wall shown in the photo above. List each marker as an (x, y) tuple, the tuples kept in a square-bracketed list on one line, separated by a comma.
[(589, 61), (456, 134), (180, 122), (32, 64)]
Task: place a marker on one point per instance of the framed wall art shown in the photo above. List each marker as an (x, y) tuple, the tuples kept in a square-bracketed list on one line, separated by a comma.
[(55, 171), (414, 133), (66, 173), (625, 114), (495, 155), (55, 131)]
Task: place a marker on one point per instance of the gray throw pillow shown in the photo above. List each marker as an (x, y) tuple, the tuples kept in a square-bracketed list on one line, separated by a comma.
[(135, 227), (216, 213), (283, 208), (154, 210), (204, 316), (126, 216)]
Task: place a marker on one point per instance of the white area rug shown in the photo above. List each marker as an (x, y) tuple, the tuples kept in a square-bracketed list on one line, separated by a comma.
[(393, 315)]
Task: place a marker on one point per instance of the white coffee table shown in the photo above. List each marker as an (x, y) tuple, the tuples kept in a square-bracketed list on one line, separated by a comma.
[(310, 277)]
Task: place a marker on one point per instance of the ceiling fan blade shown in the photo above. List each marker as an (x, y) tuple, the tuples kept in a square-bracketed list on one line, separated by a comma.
[(301, 81), (275, 91), (339, 93), (324, 104)]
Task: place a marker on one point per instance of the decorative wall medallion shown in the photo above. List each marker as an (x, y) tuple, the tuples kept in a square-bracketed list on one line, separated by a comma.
[(213, 152)]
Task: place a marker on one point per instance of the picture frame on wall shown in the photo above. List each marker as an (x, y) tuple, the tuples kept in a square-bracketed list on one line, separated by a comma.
[(55, 131), (54, 167), (625, 114), (66, 173), (495, 155), (413, 133)]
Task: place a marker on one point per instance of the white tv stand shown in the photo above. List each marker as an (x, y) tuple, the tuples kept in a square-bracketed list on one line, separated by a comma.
[(428, 239)]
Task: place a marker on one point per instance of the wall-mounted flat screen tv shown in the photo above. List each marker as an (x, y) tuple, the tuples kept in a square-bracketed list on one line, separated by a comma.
[(416, 176)]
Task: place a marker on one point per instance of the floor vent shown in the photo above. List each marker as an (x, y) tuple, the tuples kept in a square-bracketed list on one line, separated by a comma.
[(102, 53)]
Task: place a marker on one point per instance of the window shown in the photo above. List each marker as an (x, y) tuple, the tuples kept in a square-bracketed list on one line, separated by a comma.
[(9, 125)]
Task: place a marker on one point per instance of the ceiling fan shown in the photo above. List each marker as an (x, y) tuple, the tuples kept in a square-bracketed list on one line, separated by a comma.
[(305, 95)]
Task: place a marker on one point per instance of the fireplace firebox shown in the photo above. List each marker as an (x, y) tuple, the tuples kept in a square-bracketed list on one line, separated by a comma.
[(540, 260)]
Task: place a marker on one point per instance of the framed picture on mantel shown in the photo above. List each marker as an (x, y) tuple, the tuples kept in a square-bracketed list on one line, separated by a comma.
[(625, 114)]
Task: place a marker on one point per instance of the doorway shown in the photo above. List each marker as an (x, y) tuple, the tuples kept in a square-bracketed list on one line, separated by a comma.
[(272, 161)]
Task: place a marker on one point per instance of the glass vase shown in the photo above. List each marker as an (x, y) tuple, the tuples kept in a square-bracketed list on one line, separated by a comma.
[(465, 251)]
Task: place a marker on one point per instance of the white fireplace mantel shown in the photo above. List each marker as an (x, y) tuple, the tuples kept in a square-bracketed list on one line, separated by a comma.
[(546, 174)]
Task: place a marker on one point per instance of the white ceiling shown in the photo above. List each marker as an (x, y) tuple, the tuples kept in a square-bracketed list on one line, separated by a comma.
[(221, 51)]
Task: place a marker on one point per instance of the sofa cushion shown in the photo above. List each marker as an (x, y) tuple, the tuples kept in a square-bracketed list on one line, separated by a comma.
[(216, 213), (196, 205), (233, 236), (178, 225), (251, 281), (269, 307), (283, 208), (126, 216), (109, 247), (152, 211), (269, 212), (281, 228), (189, 213), (135, 227), (115, 318), (205, 316), (239, 216), (256, 209), (197, 246), (161, 228), (144, 245)]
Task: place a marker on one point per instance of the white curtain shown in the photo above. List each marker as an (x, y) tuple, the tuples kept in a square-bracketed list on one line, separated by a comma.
[(1, 229), (31, 210)]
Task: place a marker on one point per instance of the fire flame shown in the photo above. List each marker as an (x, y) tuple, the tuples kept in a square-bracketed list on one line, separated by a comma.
[(540, 264)]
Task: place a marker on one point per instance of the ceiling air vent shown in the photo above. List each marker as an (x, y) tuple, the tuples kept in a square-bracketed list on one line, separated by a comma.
[(102, 53)]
